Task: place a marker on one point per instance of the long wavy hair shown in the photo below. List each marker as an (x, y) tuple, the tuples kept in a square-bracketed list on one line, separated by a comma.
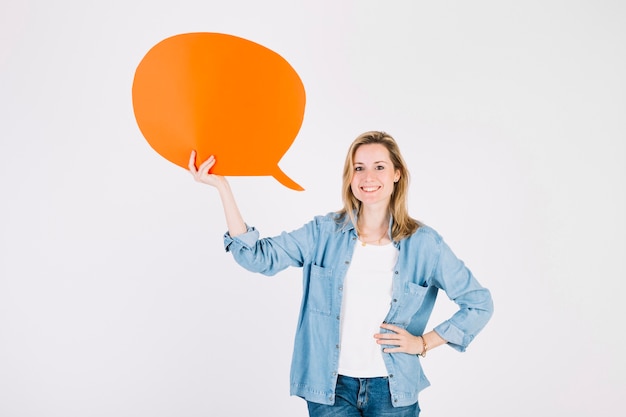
[(403, 224)]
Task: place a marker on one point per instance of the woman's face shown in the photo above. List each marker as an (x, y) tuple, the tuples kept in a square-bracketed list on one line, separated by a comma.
[(374, 175)]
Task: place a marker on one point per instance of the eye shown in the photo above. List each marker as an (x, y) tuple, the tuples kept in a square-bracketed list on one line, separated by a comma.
[(358, 168), (380, 167)]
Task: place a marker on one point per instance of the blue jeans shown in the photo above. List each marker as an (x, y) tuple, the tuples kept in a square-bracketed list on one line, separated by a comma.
[(362, 397)]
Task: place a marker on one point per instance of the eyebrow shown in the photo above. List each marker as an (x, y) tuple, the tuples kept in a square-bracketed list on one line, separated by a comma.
[(375, 162)]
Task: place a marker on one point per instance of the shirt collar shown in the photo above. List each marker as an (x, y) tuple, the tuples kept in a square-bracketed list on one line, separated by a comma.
[(349, 227)]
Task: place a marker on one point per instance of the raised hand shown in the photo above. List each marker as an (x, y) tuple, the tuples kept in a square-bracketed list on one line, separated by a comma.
[(234, 221), (203, 172)]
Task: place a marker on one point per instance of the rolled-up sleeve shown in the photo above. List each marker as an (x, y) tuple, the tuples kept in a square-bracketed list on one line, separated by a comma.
[(247, 239)]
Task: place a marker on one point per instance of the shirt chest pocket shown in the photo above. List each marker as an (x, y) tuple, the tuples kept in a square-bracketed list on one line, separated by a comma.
[(409, 302), (320, 290)]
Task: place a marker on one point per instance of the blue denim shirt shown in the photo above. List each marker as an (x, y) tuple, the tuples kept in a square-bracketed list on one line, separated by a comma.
[(323, 249)]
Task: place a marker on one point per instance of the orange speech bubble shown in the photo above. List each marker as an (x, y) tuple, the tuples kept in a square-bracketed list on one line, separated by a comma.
[(220, 95)]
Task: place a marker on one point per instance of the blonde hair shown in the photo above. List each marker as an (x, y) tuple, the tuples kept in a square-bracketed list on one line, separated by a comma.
[(403, 224)]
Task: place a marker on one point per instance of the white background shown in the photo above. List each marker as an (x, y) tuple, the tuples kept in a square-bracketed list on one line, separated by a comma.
[(117, 299)]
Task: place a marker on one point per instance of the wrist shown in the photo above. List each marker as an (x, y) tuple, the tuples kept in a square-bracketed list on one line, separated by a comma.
[(222, 185), (424, 347)]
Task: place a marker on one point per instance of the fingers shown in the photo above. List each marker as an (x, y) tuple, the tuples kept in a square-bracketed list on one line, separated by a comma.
[(399, 334), (388, 336), (395, 350), (201, 174), (206, 166), (396, 335), (398, 344), (399, 339), (390, 341), (393, 328), (192, 162)]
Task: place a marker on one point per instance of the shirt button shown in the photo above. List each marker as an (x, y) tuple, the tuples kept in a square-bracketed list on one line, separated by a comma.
[(337, 346), (338, 318), (395, 300), (334, 373), (395, 272), (391, 376), (340, 287), (348, 263), (395, 400)]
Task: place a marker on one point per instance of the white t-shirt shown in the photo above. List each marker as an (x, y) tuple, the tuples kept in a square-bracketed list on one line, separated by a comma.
[(366, 298)]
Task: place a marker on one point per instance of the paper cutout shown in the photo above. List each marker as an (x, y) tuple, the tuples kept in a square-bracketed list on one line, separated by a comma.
[(221, 95)]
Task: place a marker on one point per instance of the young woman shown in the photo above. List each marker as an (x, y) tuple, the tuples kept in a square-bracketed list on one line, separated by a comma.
[(371, 274)]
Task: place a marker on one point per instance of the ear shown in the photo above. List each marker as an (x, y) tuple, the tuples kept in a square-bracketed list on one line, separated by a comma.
[(397, 176)]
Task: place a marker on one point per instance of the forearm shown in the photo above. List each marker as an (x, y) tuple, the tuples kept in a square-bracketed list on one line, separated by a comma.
[(475, 311), (234, 220), (432, 340)]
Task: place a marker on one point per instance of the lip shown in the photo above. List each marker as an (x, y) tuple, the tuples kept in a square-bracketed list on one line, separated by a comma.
[(369, 188)]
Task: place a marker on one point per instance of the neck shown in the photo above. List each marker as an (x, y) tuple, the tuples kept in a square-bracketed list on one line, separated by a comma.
[(371, 219), (373, 226)]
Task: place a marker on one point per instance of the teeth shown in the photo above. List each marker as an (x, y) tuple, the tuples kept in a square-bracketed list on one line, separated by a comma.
[(369, 189)]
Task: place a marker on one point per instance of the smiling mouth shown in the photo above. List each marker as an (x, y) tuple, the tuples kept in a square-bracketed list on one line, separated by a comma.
[(370, 189)]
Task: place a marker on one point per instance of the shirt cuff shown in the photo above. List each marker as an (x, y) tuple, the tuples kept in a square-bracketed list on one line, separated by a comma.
[(246, 240), (455, 337)]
